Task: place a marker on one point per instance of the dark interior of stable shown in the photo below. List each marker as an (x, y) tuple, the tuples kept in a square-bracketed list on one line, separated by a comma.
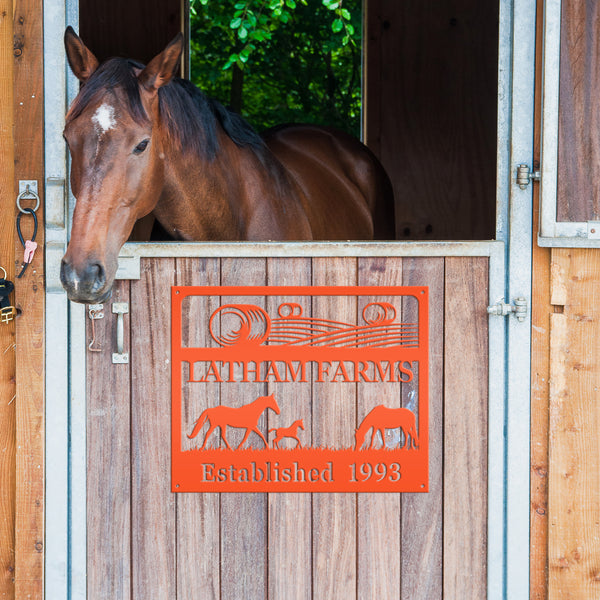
[(430, 86)]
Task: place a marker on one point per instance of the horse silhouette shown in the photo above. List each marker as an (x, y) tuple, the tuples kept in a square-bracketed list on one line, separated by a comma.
[(382, 418), (291, 432), (244, 417)]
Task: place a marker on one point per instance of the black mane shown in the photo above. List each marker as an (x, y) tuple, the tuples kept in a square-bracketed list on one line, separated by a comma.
[(190, 116)]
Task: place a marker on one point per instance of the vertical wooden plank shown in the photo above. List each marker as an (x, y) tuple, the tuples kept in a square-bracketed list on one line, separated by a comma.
[(540, 365), (243, 516), (29, 295), (290, 532), (153, 505), (574, 477), (379, 516), (465, 428), (108, 458), (422, 514), (7, 331), (198, 515), (334, 422)]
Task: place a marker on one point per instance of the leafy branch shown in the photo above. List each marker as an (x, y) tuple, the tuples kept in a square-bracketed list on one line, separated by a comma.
[(254, 21)]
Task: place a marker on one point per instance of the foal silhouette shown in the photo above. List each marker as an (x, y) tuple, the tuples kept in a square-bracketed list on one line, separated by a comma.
[(245, 417), (291, 432)]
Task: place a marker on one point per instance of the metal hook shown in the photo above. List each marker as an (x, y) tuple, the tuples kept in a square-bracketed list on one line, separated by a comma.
[(95, 311)]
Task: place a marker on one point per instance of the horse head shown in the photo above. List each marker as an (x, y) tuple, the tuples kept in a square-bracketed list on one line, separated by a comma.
[(117, 160)]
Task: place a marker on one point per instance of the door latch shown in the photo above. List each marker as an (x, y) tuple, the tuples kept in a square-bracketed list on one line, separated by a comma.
[(518, 309), (120, 309)]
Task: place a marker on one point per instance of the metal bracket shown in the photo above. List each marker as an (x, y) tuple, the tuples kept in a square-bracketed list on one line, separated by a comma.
[(28, 190), (518, 309), (524, 176), (120, 357)]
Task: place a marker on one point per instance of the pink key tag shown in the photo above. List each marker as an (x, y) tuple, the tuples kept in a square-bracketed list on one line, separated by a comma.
[(30, 248)]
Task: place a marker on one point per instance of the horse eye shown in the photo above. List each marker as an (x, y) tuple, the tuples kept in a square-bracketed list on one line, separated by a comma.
[(141, 147)]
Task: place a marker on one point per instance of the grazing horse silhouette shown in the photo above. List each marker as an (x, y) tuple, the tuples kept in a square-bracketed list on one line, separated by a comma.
[(291, 432), (382, 418), (245, 417), (144, 141)]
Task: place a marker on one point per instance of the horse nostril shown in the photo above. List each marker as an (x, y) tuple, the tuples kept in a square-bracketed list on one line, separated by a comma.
[(66, 272), (96, 275)]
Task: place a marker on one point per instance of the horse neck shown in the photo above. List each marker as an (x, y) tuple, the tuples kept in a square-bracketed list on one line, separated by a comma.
[(235, 196), (194, 203)]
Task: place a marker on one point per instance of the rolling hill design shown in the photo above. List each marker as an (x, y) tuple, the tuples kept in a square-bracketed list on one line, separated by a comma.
[(242, 323)]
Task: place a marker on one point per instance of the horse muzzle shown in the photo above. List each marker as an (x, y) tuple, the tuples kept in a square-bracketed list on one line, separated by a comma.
[(86, 284)]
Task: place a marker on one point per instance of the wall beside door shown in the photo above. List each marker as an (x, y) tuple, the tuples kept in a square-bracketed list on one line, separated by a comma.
[(431, 96), (21, 341), (565, 450)]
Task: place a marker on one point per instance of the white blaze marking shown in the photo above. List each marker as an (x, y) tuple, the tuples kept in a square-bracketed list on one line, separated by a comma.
[(104, 118)]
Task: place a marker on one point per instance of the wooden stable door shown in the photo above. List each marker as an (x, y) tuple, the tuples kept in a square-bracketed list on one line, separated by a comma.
[(146, 542)]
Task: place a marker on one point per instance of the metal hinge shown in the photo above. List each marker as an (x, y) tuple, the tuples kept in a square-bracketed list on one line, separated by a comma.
[(518, 309), (524, 176)]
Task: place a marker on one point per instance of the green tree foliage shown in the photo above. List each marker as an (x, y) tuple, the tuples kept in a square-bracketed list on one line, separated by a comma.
[(280, 61)]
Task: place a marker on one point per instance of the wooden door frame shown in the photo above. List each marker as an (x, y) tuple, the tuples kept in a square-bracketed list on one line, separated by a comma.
[(509, 400)]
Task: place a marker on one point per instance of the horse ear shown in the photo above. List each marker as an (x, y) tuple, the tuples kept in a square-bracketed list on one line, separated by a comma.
[(82, 62), (161, 68)]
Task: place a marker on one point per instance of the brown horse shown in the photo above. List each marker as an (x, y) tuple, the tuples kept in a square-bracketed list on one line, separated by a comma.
[(244, 417), (144, 141)]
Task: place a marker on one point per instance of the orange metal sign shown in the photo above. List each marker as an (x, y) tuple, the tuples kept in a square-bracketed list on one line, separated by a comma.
[(238, 368)]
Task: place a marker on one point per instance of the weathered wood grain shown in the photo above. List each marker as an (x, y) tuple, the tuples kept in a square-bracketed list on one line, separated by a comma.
[(108, 459), (379, 515), (7, 331), (465, 429), (334, 421), (574, 477), (431, 108), (422, 514), (198, 515), (29, 294), (579, 122), (290, 531), (244, 516), (153, 513)]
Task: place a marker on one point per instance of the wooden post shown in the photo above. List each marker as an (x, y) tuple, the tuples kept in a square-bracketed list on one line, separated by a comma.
[(28, 115), (7, 331), (541, 313)]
